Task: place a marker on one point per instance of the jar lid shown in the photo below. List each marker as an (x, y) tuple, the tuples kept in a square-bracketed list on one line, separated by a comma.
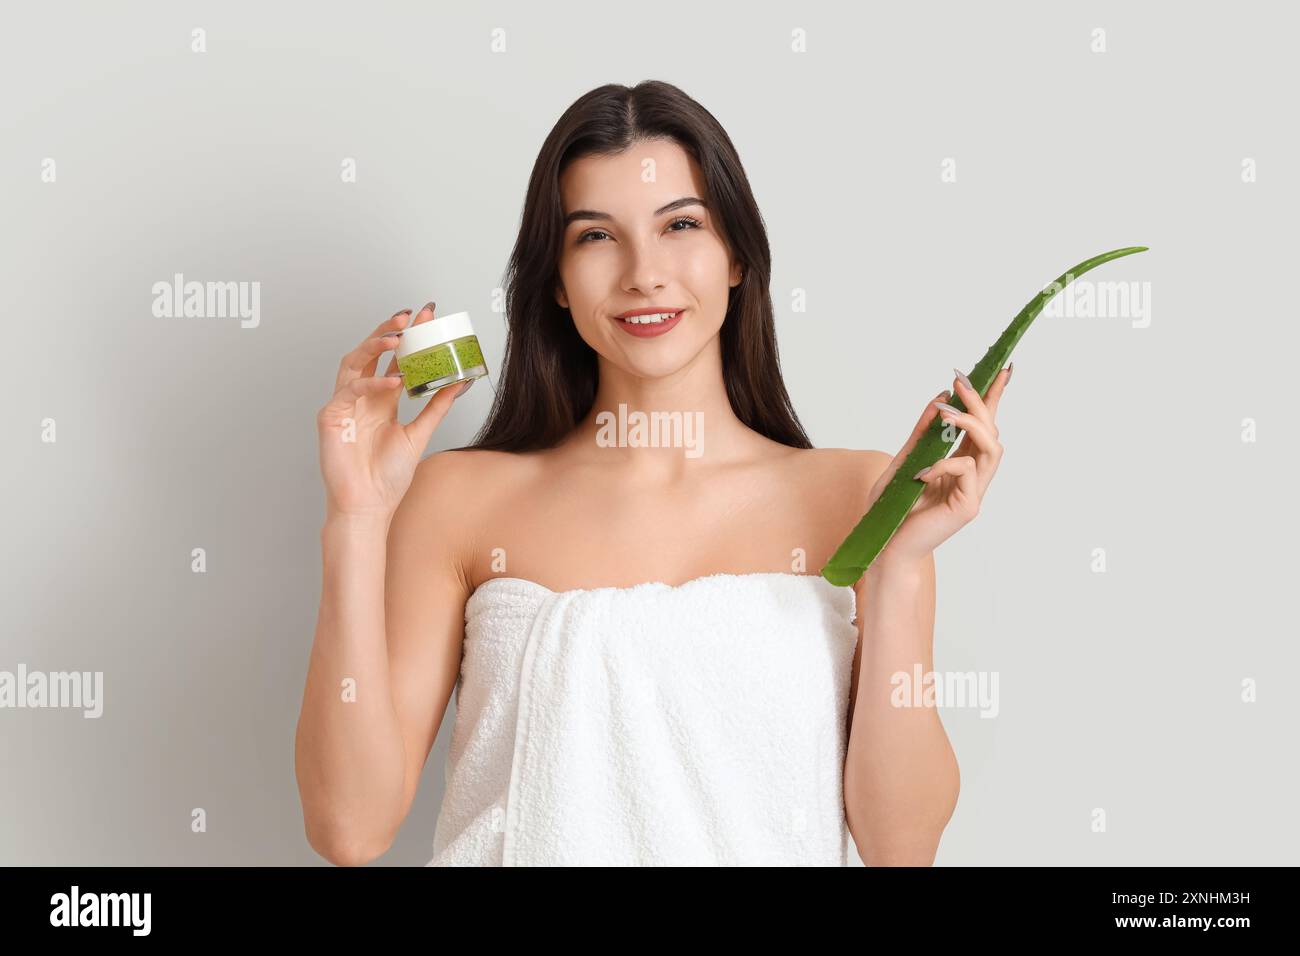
[(425, 335)]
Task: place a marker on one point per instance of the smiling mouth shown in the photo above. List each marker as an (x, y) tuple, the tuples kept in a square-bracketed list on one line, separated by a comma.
[(655, 319), (649, 326)]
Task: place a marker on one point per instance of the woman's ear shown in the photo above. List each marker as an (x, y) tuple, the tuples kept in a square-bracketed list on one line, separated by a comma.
[(737, 274), (560, 297)]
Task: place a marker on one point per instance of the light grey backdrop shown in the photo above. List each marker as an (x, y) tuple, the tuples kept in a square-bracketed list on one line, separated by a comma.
[(1119, 690)]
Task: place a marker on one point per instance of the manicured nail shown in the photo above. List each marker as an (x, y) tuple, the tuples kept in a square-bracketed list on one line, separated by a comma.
[(961, 377), (465, 388), (922, 473), (430, 306), (1010, 368), (945, 407), (394, 375)]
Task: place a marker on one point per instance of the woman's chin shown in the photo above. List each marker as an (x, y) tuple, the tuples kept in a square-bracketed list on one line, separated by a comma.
[(658, 362)]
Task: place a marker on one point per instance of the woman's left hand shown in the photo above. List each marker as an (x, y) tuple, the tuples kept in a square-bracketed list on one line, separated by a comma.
[(955, 485)]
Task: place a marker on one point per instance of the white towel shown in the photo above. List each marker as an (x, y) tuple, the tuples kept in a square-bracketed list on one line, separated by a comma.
[(692, 724)]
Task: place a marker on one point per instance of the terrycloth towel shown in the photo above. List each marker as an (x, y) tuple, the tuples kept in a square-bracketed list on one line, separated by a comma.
[(692, 724)]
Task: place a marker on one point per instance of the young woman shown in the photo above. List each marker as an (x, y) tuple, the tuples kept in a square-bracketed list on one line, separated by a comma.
[(649, 668)]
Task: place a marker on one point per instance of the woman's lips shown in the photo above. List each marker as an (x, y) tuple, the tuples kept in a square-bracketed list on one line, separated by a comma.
[(648, 329)]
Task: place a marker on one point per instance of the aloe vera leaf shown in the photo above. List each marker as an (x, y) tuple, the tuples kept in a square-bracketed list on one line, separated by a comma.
[(869, 537)]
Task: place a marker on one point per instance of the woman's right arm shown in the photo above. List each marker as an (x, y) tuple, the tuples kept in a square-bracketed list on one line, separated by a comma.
[(386, 651)]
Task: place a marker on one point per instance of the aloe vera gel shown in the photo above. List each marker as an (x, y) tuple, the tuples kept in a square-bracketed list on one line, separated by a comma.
[(438, 353)]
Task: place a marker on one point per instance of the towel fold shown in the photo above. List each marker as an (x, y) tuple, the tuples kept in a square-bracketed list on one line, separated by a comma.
[(693, 724)]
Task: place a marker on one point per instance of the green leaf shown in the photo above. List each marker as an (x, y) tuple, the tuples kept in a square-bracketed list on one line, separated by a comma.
[(886, 514)]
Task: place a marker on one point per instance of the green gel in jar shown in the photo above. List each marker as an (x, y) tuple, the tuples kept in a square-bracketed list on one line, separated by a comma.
[(438, 353)]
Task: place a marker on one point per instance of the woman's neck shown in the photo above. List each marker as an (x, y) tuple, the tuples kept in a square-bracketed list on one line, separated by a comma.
[(663, 428)]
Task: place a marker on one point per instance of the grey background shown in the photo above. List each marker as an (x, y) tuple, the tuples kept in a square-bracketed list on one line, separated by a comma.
[(1118, 690)]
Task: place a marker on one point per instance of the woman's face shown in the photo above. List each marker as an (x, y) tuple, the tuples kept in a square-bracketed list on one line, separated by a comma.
[(628, 245)]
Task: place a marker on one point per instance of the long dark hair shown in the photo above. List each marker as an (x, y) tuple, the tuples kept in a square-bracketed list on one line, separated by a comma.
[(547, 382)]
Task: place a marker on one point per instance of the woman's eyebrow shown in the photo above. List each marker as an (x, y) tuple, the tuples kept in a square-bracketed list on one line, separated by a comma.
[(675, 204)]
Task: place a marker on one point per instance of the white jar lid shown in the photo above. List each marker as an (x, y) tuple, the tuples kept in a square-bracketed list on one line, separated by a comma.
[(434, 332)]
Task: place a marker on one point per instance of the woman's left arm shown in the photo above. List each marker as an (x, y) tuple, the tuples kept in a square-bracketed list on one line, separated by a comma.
[(901, 778)]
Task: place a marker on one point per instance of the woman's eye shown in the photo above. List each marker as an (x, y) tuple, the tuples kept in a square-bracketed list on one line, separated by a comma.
[(691, 223)]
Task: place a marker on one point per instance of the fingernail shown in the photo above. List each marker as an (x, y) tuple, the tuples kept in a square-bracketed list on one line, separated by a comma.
[(1010, 368), (961, 377), (465, 388), (394, 375), (430, 306), (922, 473), (945, 407)]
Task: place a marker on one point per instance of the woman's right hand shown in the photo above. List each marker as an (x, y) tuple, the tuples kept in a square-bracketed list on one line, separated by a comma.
[(368, 457)]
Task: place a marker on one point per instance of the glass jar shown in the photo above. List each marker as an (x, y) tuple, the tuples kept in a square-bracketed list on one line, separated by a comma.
[(438, 353)]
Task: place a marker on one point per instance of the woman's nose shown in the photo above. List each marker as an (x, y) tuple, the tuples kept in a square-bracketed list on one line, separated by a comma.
[(644, 270)]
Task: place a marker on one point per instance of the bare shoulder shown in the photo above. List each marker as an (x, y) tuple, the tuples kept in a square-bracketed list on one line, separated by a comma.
[(461, 482), (852, 472), (861, 469), (834, 488), (455, 468), (453, 492)]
